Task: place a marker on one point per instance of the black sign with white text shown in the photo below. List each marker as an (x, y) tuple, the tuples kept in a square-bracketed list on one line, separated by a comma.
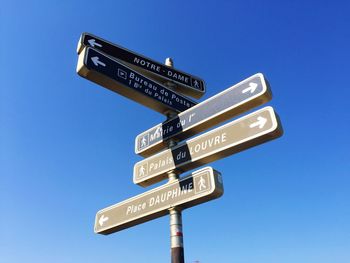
[(110, 73), (187, 84)]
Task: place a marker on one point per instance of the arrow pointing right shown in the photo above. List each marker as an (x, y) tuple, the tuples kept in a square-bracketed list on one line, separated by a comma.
[(252, 87), (97, 61), (238, 135), (260, 123)]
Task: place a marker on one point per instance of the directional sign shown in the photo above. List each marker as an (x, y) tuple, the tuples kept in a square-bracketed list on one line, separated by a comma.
[(187, 84), (110, 73), (248, 131), (231, 102), (199, 187)]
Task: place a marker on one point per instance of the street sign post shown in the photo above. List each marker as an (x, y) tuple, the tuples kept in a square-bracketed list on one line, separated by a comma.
[(248, 131), (185, 83), (110, 73), (199, 187), (153, 84), (231, 102)]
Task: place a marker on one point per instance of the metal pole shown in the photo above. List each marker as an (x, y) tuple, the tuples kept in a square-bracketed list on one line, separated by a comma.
[(176, 235)]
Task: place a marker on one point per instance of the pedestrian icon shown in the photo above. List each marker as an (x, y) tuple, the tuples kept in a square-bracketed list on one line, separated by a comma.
[(196, 84), (142, 171), (143, 142), (201, 184)]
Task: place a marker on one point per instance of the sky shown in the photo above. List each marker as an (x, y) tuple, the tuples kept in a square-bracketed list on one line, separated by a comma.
[(67, 144)]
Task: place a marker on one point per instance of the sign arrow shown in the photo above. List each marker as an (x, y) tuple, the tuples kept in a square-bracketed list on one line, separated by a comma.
[(114, 75), (216, 144), (93, 43), (219, 108), (97, 61), (260, 123), (102, 220), (252, 87), (187, 84), (199, 187)]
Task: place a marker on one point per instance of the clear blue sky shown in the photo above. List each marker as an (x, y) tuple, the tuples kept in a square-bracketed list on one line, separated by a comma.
[(67, 144)]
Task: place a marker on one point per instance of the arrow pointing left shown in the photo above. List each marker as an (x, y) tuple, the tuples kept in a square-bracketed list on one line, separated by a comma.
[(114, 75), (93, 43), (186, 83), (102, 220), (97, 61)]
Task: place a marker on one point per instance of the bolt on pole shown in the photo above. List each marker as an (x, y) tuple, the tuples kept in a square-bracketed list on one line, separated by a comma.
[(176, 235)]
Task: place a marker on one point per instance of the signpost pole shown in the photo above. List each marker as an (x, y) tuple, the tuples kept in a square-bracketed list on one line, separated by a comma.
[(176, 236)]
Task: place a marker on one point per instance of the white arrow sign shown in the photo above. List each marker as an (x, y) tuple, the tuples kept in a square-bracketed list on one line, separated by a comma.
[(223, 106), (216, 144), (260, 123), (93, 43), (252, 87), (97, 61), (199, 187), (102, 220)]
